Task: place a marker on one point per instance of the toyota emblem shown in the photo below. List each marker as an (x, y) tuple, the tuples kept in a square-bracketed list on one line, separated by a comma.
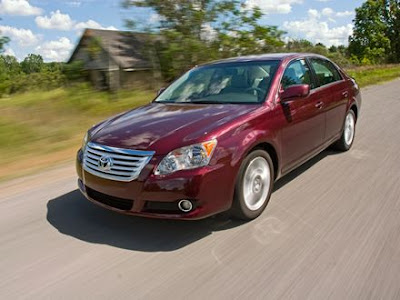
[(105, 163)]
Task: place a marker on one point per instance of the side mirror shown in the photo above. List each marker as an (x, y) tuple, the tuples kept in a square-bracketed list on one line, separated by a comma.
[(160, 91), (295, 91)]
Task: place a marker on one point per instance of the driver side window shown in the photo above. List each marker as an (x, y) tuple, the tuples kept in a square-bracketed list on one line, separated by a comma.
[(297, 72)]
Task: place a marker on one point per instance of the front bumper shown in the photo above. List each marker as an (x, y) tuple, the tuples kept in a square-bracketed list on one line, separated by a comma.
[(210, 189)]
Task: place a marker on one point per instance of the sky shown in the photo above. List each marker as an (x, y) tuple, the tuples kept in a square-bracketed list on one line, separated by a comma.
[(52, 28)]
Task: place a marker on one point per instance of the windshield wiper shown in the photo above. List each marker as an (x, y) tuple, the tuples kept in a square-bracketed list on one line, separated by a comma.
[(206, 102), (192, 101)]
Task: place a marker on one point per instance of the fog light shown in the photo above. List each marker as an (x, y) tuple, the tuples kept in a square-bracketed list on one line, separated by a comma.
[(185, 205)]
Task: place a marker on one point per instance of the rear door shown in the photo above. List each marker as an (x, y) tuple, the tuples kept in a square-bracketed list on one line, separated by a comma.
[(304, 126), (335, 96)]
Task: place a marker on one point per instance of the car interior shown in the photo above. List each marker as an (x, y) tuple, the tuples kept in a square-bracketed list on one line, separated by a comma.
[(231, 84)]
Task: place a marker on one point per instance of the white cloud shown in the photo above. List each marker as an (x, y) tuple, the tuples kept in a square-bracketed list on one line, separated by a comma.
[(328, 12), (273, 6), (60, 21), (313, 13), (318, 31), (57, 50), (345, 13), (92, 24), (24, 37), (18, 8), (9, 51), (57, 20)]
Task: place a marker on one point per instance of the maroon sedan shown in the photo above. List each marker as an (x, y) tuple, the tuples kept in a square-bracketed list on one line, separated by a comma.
[(219, 137)]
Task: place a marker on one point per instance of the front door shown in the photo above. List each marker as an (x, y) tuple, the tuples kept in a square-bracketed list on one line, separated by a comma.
[(303, 131)]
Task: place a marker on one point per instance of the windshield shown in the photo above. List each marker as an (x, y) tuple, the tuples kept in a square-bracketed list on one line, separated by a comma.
[(235, 83)]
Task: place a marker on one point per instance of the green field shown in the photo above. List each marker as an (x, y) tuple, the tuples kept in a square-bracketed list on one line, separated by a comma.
[(39, 129), (374, 74)]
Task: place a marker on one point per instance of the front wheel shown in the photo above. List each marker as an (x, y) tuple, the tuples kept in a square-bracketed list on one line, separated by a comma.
[(346, 140), (253, 185)]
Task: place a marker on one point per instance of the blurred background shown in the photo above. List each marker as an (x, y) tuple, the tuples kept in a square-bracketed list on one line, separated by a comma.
[(51, 92)]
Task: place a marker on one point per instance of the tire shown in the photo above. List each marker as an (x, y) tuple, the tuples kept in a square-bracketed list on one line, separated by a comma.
[(349, 130), (253, 186)]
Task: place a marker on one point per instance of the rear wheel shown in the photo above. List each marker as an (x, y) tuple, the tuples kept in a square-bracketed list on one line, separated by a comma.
[(346, 140), (253, 185)]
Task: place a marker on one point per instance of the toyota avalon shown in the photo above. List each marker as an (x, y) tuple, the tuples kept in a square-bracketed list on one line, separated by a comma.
[(218, 137)]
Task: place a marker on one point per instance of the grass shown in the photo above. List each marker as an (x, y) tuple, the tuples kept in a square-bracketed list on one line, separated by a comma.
[(40, 129), (374, 74)]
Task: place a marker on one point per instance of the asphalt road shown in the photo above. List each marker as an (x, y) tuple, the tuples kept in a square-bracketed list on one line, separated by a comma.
[(330, 231)]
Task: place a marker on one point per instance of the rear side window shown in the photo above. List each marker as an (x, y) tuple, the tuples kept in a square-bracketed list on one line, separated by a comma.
[(297, 72), (325, 71)]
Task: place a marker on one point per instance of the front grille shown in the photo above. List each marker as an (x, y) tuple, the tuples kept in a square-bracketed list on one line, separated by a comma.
[(119, 203), (115, 163)]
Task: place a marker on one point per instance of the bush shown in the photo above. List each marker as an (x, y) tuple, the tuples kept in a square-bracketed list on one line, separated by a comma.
[(74, 71), (35, 81)]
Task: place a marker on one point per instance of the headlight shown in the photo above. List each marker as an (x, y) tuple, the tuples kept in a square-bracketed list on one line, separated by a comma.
[(85, 141), (186, 158)]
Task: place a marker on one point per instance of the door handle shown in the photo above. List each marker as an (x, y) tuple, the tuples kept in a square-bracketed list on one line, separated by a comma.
[(319, 104), (345, 94)]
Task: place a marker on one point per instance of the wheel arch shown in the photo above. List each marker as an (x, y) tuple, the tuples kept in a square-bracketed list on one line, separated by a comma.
[(354, 108), (270, 149)]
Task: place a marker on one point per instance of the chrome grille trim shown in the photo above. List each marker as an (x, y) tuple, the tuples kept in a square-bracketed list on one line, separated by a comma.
[(127, 164)]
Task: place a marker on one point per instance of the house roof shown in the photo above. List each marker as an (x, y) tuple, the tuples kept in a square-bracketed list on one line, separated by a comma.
[(124, 47)]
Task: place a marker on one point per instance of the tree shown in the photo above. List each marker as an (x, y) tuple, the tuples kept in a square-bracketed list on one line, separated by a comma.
[(333, 49), (392, 15), (241, 34), (3, 41), (33, 63), (75, 71), (191, 32), (94, 47), (10, 64), (299, 46), (376, 36), (10, 70), (320, 45)]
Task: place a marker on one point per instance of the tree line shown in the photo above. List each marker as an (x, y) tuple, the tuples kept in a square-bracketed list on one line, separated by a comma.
[(376, 36), (197, 31), (189, 33), (34, 74)]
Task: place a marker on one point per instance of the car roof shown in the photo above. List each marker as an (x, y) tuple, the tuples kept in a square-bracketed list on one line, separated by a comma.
[(262, 57)]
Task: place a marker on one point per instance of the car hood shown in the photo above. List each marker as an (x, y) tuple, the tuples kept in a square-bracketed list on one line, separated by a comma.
[(164, 127)]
